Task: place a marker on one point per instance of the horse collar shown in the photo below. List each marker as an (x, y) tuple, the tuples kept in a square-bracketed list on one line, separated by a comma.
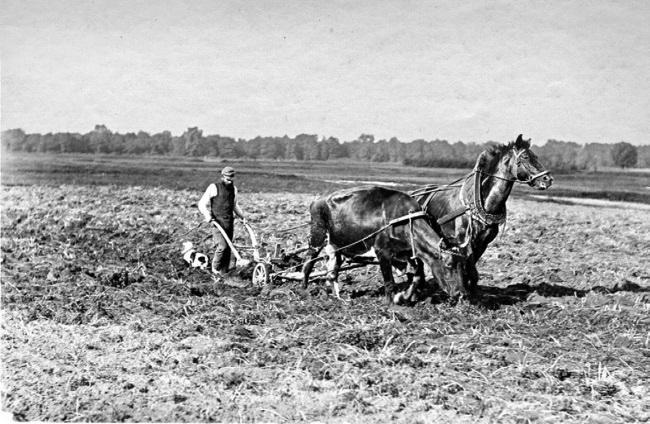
[(478, 211)]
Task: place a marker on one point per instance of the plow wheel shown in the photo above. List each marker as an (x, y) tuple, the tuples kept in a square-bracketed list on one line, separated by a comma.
[(261, 274)]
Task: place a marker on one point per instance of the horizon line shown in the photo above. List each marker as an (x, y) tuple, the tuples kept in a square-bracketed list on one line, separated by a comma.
[(321, 137)]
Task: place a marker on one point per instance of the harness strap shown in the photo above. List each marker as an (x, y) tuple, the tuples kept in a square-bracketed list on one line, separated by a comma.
[(434, 188), (425, 205), (424, 190), (511, 180), (410, 216), (470, 216), (452, 215), (411, 236), (431, 190)]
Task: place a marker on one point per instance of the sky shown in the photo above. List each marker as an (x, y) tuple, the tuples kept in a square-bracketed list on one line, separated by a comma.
[(472, 71)]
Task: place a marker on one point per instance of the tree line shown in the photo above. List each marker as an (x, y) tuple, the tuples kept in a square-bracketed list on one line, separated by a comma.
[(555, 154)]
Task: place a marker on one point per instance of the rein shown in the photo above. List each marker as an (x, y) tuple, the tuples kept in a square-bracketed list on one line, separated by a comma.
[(408, 217), (476, 208)]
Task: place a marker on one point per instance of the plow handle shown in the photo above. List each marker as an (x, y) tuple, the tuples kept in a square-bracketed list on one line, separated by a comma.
[(225, 236), (254, 244)]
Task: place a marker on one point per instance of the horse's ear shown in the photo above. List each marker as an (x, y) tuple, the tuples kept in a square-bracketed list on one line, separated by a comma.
[(520, 143)]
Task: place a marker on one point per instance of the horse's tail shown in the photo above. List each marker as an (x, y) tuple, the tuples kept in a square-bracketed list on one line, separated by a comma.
[(320, 223), (318, 231)]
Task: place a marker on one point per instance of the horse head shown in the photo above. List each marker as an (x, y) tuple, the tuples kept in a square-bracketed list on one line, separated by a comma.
[(454, 270), (514, 162), (525, 166)]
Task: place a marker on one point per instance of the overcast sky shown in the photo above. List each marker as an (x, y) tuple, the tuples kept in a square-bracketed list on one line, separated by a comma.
[(471, 71)]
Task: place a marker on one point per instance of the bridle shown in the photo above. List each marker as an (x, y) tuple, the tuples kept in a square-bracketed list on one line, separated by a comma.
[(477, 210), (513, 180), (455, 250), (517, 155)]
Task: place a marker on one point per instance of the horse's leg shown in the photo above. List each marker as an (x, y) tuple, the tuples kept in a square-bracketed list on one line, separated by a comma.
[(411, 270), (479, 245), (317, 239), (333, 265), (336, 281), (407, 269), (308, 266), (415, 278), (387, 273), (418, 281), (472, 276)]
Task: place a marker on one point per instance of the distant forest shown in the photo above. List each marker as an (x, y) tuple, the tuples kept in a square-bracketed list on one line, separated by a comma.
[(556, 155)]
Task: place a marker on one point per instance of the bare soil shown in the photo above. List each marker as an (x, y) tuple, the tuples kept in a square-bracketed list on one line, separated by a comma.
[(103, 321)]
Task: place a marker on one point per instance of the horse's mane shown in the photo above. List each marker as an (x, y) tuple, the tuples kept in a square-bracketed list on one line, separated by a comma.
[(491, 152), (499, 149)]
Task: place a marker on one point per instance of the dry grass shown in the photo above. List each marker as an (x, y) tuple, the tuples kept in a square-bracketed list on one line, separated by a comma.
[(101, 321)]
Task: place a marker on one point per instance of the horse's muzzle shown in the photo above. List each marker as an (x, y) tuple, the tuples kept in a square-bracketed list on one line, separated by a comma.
[(542, 182)]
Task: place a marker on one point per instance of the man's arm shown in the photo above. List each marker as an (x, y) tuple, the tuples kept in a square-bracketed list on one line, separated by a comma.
[(237, 209), (204, 202)]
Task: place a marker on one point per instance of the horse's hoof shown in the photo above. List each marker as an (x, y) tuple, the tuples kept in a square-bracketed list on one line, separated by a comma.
[(393, 299)]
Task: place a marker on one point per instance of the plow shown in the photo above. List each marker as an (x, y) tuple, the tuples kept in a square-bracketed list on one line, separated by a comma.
[(274, 260)]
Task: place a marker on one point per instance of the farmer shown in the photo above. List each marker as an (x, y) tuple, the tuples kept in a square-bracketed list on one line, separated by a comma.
[(217, 205)]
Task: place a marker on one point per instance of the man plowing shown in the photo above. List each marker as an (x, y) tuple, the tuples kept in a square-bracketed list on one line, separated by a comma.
[(219, 204)]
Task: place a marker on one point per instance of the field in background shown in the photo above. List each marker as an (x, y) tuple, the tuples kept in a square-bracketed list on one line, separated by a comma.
[(297, 177), (102, 321)]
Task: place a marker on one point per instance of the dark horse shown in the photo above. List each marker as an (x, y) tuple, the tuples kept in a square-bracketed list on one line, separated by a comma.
[(470, 214), (352, 222)]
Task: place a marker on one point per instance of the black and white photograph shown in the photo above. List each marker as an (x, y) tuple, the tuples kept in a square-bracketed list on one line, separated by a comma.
[(345, 211)]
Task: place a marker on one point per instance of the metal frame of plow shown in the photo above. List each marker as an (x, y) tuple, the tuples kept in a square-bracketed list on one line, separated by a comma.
[(298, 276), (239, 260)]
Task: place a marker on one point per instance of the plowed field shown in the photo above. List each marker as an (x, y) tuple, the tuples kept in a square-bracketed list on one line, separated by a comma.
[(102, 321)]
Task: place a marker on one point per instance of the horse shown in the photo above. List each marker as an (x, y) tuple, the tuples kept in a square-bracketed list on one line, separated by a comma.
[(353, 221), (470, 213)]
